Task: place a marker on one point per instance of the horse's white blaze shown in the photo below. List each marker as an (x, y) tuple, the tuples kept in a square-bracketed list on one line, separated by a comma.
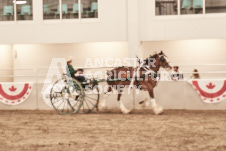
[(166, 58), (123, 108)]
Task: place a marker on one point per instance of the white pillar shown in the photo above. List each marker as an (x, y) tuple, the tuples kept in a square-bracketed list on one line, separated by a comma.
[(6, 62), (134, 43)]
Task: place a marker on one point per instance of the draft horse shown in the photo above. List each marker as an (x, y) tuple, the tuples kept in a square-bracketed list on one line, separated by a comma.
[(145, 77)]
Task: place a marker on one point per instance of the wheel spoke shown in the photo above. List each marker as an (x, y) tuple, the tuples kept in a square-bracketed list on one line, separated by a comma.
[(56, 101), (91, 98), (63, 106), (83, 106), (67, 108), (86, 104), (57, 97), (58, 107), (91, 102), (69, 104)]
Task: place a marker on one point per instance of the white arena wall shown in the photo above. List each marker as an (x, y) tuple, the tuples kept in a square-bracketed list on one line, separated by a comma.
[(188, 54), (169, 94), (199, 54), (35, 56)]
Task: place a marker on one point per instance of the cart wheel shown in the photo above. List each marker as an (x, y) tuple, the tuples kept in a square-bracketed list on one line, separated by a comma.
[(91, 98), (67, 96)]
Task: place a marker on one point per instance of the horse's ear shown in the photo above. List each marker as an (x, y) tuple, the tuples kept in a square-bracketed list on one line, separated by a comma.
[(161, 52)]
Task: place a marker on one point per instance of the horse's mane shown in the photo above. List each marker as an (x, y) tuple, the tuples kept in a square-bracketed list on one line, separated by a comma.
[(153, 56)]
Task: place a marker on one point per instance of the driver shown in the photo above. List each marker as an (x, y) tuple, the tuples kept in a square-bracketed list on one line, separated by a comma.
[(75, 74)]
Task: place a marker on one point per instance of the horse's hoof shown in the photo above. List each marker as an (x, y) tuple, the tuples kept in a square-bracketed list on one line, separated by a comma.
[(158, 110), (144, 103), (101, 107), (126, 111)]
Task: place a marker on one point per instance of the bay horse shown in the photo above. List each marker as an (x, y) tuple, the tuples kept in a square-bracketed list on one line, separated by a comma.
[(145, 76)]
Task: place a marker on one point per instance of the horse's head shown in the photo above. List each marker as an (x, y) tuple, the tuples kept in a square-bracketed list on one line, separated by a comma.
[(158, 60), (164, 61)]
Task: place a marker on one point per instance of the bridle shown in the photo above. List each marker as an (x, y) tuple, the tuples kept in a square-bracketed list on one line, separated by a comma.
[(148, 70), (162, 58)]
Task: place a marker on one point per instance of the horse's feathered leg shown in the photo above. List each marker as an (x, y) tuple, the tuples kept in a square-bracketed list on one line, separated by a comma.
[(122, 107), (156, 108), (102, 103)]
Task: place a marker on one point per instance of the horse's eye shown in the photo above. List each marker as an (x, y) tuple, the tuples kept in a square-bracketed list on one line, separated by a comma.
[(162, 59)]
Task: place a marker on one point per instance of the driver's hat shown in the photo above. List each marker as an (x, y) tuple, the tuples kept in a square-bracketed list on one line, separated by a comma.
[(70, 58)]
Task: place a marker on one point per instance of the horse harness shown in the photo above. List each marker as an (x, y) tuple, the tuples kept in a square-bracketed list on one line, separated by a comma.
[(148, 72)]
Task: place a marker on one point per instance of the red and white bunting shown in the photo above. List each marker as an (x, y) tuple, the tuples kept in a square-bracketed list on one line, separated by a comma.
[(210, 91), (14, 93)]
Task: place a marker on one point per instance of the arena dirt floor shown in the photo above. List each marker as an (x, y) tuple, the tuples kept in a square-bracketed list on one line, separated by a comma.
[(110, 130)]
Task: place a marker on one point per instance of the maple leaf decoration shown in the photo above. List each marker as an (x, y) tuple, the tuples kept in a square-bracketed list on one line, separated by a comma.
[(12, 89), (210, 86)]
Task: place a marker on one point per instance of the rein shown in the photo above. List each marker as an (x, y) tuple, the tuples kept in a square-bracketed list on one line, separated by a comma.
[(137, 71)]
